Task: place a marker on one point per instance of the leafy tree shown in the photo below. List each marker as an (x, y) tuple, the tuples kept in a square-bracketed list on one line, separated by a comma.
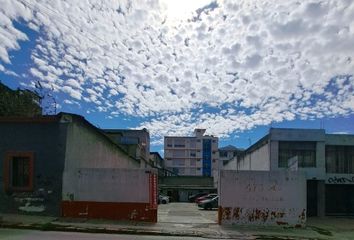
[(19, 102)]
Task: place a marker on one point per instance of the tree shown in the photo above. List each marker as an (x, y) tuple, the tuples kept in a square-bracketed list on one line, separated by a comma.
[(19, 102)]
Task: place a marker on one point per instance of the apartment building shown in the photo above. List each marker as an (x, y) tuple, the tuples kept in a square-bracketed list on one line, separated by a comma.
[(326, 159), (195, 155)]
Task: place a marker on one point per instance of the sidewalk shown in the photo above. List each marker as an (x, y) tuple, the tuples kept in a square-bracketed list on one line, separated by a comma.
[(317, 228)]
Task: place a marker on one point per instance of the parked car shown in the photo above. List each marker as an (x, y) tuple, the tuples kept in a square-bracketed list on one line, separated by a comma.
[(209, 196), (163, 199), (209, 203), (193, 197)]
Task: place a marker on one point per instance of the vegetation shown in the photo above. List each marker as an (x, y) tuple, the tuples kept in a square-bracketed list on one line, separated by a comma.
[(19, 102)]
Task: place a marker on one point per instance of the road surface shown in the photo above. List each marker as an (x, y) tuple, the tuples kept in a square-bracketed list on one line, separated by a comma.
[(19, 234)]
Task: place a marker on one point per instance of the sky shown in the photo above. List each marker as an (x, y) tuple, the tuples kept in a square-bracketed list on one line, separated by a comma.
[(236, 68)]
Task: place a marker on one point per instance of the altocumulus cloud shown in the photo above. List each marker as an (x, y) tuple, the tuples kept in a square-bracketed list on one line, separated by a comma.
[(228, 67)]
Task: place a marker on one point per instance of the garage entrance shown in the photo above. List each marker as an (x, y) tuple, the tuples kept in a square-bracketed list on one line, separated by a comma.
[(340, 200)]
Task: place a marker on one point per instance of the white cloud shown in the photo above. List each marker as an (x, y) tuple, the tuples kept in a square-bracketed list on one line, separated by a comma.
[(245, 63)]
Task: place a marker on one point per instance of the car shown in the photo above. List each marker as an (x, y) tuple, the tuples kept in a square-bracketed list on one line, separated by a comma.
[(209, 196), (209, 203), (164, 199), (193, 197)]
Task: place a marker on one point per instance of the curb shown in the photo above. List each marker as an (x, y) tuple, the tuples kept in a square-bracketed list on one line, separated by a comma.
[(69, 228)]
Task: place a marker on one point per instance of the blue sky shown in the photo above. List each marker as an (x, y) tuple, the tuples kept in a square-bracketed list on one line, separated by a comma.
[(236, 68)]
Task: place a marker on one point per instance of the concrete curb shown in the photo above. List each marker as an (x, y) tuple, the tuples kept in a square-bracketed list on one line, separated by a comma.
[(130, 231)]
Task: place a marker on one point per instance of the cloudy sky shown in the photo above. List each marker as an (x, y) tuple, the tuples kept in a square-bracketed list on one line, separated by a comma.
[(233, 67)]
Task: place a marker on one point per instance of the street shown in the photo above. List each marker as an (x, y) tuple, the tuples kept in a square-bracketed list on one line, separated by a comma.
[(19, 234)]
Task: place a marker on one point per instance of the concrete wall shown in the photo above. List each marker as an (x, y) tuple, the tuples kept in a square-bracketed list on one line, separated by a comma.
[(119, 194), (262, 198), (258, 159), (339, 139), (47, 142), (86, 148), (106, 185)]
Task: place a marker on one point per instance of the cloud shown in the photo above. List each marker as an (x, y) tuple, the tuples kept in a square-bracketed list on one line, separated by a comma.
[(228, 67)]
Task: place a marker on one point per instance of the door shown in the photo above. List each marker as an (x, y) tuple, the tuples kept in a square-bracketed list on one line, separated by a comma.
[(311, 198)]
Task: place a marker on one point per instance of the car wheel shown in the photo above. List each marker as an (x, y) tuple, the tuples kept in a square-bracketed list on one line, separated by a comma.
[(164, 202)]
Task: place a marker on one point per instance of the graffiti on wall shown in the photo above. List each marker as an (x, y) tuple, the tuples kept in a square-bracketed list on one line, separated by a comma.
[(261, 216), (340, 180)]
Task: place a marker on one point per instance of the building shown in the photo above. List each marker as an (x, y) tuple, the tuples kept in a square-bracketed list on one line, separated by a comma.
[(39, 154), (157, 162), (192, 156), (227, 153), (326, 159), (135, 141)]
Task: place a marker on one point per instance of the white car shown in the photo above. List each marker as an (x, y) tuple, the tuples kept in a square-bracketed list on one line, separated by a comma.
[(164, 199)]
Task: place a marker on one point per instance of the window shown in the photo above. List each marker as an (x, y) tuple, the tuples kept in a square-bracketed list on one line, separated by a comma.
[(178, 162), (192, 143), (180, 142), (304, 151), (192, 162), (192, 171), (18, 168), (339, 159), (223, 153), (214, 141), (193, 153), (178, 153), (169, 142), (198, 140)]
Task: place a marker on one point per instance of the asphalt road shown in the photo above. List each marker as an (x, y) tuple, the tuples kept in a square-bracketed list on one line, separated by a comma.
[(17, 234)]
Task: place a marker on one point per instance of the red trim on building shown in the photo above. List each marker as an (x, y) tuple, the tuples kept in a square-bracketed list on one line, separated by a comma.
[(6, 171), (109, 210), (153, 190), (219, 215)]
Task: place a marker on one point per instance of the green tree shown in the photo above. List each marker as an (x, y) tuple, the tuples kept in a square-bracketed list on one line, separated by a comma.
[(19, 102)]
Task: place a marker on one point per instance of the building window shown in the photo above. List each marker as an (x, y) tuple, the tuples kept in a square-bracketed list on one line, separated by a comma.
[(178, 162), (198, 140), (222, 153), (339, 159), (169, 142), (304, 151), (18, 169), (192, 171), (214, 141), (193, 153), (178, 153), (192, 162), (180, 143)]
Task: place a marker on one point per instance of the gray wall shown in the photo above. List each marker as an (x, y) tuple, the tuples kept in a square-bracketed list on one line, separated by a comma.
[(262, 198), (106, 185), (88, 149), (47, 141), (258, 159)]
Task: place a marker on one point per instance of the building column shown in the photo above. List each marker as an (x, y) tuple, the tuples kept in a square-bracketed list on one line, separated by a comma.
[(321, 198)]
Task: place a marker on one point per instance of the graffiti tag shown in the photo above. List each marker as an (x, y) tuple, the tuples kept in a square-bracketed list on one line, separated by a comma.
[(342, 180)]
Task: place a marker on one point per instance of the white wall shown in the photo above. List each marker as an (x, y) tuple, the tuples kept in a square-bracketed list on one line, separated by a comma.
[(85, 148), (262, 197), (258, 160), (106, 185)]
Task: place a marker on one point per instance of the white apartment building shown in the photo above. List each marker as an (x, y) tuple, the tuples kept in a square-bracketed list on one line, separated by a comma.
[(192, 156)]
